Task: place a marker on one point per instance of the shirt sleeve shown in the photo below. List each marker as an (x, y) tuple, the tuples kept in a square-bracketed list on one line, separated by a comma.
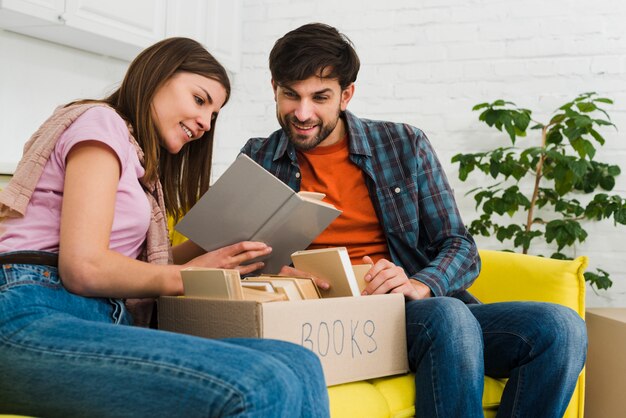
[(100, 124), (454, 261)]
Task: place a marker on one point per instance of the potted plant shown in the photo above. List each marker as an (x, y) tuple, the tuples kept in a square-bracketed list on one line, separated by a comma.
[(568, 185)]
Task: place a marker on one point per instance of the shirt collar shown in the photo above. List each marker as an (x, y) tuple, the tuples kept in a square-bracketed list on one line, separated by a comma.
[(284, 146), (357, 136)]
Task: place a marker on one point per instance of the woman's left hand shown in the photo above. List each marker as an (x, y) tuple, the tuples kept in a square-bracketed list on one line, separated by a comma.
[(234, 257)]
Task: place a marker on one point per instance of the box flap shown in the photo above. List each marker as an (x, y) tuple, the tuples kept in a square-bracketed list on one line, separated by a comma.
[(616, 314)]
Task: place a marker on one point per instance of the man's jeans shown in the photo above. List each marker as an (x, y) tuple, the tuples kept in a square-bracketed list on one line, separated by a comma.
[(540, 347), (62, 355)]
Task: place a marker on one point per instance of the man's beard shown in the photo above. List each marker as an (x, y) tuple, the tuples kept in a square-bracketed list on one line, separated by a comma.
[(300, 141)]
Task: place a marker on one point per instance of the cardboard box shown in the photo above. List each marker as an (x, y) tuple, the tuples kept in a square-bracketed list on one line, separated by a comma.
[(606, 363), (355, 338)]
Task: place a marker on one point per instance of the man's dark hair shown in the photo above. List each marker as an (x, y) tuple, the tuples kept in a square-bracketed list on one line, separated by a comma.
[(314, 49)]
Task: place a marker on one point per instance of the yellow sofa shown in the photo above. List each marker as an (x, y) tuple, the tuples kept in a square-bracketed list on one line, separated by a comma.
[(504, 277)]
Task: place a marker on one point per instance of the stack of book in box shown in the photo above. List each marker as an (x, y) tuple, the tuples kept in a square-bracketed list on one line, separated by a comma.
[(329, 264)]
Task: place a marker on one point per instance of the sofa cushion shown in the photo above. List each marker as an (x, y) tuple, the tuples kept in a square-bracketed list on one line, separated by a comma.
[(509, 276), (359, 399)]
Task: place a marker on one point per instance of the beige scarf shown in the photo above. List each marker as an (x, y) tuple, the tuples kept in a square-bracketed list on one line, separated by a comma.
[(15, 197)]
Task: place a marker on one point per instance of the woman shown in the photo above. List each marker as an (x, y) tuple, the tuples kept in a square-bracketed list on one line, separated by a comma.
[(84, 229)]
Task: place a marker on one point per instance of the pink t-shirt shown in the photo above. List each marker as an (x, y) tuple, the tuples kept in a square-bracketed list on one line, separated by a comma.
[(40, 226)]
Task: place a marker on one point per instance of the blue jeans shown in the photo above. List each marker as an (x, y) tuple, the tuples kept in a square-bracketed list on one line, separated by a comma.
[(63, 355), (540, 347)]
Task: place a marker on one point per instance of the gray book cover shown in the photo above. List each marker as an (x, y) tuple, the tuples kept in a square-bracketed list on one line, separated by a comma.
[(247, 203)]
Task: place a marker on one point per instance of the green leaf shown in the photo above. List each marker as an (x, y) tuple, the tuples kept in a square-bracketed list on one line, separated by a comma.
[(559, 256), (484, 194), (590, 150), (503, 234), (523, 238), (522, 120), (573, 132), (583, 121), (586, 107), (583, 147), (600, 281), (499, 206), (603, 100), (597, 136), (607, 183), (510, 129), (502, 103), (564, 232), (579, 168), (614, 170), (480, 106), (519, 171), (494, 169), (620, 216), (556, 119), (603, 122), (563, 179), (491, 116)]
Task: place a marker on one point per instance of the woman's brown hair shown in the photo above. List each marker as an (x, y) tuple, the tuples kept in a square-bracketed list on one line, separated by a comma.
[(185, 176)]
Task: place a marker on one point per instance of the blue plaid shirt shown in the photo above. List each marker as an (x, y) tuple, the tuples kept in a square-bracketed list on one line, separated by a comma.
[(411, 196)]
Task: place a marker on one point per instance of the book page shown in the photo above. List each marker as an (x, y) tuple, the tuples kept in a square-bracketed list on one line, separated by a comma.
[(360, 270), (315, 197), (311, 195)]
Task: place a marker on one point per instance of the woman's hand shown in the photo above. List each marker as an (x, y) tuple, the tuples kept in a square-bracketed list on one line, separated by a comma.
[(386, 277), (234, 257), (292, 272)]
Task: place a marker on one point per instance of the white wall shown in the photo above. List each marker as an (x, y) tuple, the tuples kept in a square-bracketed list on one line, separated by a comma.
[(37, 76), (423, 62)]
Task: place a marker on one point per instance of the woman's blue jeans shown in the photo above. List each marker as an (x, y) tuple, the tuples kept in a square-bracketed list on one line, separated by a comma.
[(63, 355), (540, 347)]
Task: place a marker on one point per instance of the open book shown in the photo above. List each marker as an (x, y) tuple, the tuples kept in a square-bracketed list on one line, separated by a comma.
[(247, 203)]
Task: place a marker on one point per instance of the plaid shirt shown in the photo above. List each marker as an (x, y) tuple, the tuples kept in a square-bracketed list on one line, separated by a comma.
[(411, 196)]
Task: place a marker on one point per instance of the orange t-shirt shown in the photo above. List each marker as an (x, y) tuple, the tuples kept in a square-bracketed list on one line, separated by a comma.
[(329, 170)]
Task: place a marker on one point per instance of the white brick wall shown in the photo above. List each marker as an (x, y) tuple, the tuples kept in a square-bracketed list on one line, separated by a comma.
[(428, 62)]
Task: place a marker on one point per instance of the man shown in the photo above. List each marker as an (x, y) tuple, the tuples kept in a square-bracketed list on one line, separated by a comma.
[(399, 214)]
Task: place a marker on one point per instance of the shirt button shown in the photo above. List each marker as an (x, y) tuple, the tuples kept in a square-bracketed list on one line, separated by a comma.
[(397, 190), (297, 175)]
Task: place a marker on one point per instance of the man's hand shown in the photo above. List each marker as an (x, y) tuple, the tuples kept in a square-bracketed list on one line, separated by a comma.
[(386, 277), (290, 271)]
